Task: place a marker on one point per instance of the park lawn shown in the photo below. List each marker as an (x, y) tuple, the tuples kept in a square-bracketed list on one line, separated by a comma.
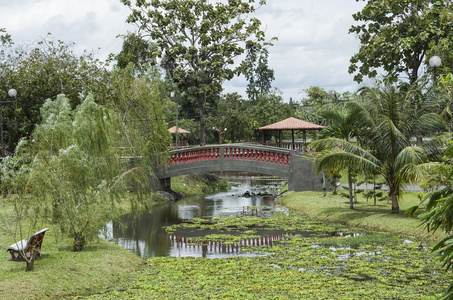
[(335, 209), (61, 273)]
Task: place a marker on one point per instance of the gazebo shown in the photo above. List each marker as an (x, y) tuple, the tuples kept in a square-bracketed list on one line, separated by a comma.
[(291, 124), (182, 132)]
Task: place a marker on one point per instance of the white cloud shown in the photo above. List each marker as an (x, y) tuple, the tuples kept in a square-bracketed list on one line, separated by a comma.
[(313, 46)]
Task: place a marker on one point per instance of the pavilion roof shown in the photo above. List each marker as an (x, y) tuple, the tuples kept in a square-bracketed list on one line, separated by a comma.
[(180, 130), (292, 124)]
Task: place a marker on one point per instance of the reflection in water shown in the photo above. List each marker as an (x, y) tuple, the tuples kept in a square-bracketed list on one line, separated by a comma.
[(145, 235)]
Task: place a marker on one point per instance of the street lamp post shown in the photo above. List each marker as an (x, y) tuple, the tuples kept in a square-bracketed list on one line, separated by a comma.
[(435, 63), (12, 93), (172, 95)]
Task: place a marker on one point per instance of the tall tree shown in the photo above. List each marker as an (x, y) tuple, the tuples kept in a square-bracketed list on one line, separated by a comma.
[(396, 35), (258, 74), (198, 42)]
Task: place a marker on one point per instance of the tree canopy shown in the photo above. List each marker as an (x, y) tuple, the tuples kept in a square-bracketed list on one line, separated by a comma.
[(396, 35), (42, 70), (198, 41)]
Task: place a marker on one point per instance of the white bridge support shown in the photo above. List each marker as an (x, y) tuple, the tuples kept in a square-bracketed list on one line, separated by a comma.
[(272, 161)]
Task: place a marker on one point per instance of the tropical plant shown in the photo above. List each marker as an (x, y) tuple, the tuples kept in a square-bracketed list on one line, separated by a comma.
[(389, 120), (340, 124), (439, 210)]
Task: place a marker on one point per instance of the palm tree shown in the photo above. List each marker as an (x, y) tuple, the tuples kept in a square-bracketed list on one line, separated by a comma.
[(388, 118), (340, 125)]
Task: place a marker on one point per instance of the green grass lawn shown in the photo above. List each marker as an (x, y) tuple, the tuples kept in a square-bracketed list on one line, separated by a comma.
[(335, 209)]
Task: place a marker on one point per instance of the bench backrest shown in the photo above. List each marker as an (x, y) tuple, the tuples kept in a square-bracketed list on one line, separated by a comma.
[(35, 240)]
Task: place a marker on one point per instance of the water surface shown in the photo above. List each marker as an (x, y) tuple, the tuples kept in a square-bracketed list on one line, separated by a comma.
[(145, 234)]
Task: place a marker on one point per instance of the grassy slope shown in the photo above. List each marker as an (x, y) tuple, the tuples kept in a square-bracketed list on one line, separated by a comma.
[(59, 273), (336, 209)]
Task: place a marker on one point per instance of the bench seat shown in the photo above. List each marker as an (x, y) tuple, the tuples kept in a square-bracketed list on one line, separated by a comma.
[(26, 246)]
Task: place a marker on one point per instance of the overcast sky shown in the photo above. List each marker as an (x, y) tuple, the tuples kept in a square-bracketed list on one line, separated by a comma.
[(313, 47)]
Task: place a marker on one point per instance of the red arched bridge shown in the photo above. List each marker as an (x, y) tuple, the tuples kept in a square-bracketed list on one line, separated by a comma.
[(243, 158)]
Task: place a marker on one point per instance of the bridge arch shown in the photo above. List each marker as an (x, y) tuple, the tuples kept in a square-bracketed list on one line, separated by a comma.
[(239, 157)]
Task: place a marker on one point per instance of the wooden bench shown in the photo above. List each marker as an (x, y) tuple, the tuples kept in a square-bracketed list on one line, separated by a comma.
[(26, 247)]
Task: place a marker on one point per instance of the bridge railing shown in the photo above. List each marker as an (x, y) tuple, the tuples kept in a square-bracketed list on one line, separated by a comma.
[(263, 154)]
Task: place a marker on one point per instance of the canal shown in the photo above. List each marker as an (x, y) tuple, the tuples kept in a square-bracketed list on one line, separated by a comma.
[(145, 234)]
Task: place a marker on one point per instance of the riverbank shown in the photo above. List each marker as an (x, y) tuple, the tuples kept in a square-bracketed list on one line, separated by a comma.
[(335, 209)]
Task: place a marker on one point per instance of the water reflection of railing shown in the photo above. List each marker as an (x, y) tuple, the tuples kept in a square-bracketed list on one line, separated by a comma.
[(223, 247)]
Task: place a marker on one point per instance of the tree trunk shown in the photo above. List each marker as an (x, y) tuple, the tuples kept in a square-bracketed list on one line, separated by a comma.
[(202, 121), (30, 261), (395, 205), (419, 141), (374, 193), (351, 198), (335, 186), (394, 196), (79, 242), (324, 187)]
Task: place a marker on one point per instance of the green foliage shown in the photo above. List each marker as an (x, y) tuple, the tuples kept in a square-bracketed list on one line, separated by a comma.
[(316, 100), (439, 211), (71, 174), (445, 99), (258, 74), (139, 106), (391, 119), (137, 51), (42, 70), (233, 115), (396, 35), (198, 42), (74, 173)]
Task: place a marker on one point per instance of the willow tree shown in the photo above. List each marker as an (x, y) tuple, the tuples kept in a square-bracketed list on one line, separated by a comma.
[(75, 171), (72, 174), (198, 42)]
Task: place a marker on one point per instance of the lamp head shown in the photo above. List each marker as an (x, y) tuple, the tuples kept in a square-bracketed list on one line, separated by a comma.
[(12, 93), (435, 61)]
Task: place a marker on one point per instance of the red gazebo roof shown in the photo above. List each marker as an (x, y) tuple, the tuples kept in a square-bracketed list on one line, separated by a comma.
[(292, 124)]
